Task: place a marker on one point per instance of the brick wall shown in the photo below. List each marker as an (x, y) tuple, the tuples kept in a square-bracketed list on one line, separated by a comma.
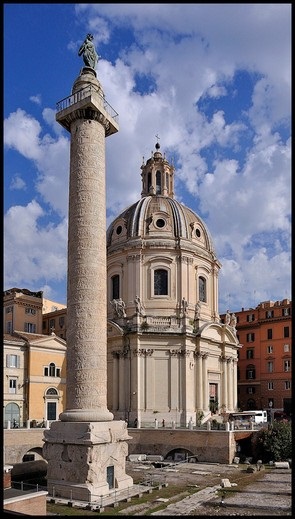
[(7, 479)]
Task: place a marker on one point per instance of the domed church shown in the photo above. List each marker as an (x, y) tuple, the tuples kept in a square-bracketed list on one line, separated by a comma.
[(170, 358)]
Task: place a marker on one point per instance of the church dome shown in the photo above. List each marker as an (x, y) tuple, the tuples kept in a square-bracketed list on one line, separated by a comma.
[(157, 215)]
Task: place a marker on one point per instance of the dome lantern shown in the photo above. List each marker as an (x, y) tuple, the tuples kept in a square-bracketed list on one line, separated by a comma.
[(157, 175)]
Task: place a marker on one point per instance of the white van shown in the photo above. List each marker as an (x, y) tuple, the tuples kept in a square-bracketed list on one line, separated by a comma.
[(258, 417)]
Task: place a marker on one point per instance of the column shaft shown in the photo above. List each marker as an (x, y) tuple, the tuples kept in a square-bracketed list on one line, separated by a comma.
[(86, 296)]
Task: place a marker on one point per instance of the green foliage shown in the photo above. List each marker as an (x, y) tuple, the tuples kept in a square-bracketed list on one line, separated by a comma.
[(213, 406), (274, 443), (199, 417)]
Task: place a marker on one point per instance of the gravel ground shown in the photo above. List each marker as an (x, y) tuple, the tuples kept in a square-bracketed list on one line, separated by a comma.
[(262, 493)]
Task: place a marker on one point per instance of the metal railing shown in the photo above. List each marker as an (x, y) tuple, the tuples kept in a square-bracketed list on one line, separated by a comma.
[(114, 495), (82, 94)]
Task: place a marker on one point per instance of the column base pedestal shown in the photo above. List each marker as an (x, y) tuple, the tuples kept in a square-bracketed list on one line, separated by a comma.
[(86, 460)]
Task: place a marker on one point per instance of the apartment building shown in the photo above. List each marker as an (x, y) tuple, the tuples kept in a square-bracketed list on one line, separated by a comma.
[(265, 359), (22, 310), (55, 321), (34, 375)]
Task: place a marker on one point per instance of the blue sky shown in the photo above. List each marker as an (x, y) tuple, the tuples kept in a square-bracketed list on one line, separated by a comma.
[(212, 80)]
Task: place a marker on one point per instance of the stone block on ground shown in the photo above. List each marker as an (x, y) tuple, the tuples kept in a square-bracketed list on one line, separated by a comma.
[(282, 465), (225, 483)]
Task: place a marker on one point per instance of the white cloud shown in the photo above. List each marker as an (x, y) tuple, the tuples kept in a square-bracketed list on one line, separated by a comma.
[(49, 117), (37, 99), (21, 132), (17, 183), (32, 251)]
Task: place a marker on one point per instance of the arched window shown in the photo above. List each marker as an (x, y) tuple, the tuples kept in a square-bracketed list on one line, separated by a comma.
[(51, 391), (202, 289), (158, 182), (52, 369), (12, 413), (149, 181), (160, 282), (115, 289)]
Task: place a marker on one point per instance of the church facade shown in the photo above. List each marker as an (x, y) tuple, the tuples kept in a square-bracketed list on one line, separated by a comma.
[(171, 361)]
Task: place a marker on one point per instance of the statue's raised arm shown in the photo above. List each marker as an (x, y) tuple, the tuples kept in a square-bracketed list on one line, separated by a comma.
[(87, 49)]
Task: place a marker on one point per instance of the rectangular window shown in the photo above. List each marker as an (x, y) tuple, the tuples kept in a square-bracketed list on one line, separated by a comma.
[(269, 333), (46, 371), (115, 290), (12, 385), (12, 361), (286, 348), (61, 322), (250, 337), (9, 327), (250, 354), (250, 318), (270, 367), (51, 324), (202, 289), (31, 311), (287, 384), (51, 410), (270, 385), (287, 365), (57, 373), (30, 328), (161, 282), (269, 349), (286, 331), (250, 374), (269, 314), (250, 390), (286, 311)]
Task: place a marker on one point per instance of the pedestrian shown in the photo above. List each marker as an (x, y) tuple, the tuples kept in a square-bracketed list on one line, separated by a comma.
[(163, 423)]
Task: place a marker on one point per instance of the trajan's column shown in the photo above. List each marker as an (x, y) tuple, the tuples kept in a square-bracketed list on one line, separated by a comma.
[(86, 449)]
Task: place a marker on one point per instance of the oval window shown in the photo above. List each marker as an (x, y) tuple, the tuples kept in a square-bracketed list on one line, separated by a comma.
[(160, 222), (198, 233), (119, 229)]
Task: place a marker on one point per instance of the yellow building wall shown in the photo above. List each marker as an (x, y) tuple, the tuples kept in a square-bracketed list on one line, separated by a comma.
[(39, 383)]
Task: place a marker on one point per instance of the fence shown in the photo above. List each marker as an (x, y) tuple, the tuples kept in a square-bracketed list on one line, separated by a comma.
[(69, 101)]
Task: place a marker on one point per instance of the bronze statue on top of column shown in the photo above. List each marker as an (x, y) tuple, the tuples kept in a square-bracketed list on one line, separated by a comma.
[(87, 49)]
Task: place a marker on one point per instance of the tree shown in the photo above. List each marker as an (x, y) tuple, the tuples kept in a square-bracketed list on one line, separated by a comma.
[(274, 443)]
